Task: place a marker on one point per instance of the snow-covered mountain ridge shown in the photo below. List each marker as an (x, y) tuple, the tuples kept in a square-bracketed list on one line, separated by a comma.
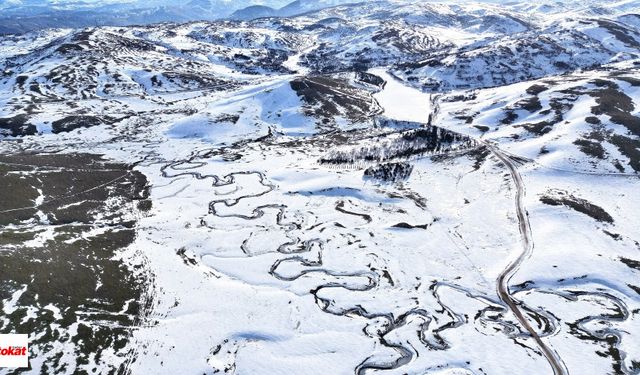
[(436, 48)]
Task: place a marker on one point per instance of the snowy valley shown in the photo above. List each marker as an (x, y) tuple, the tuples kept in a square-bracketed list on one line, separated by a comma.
[(399, 187)]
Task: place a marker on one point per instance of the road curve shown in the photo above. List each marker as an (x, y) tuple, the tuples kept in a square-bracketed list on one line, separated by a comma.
[(502, 286)]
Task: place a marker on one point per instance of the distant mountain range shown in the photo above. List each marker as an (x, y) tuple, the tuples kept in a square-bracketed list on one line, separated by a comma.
[(291, 9), (19, 16)]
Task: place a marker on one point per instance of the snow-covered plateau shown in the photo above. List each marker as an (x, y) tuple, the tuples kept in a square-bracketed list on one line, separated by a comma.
[(388, 187)]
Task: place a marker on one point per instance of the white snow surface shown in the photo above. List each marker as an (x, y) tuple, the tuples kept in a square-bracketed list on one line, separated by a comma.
[(265, 261)]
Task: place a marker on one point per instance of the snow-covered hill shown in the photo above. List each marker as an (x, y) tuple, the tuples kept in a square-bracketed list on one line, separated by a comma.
[(388, 186)]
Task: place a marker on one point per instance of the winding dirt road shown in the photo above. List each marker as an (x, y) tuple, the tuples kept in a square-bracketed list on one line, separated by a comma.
[(502, 282), (502, 286)]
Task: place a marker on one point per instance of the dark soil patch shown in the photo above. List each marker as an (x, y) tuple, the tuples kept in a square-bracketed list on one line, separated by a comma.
[(73, 122), (592, 120), (327, 98), (531, 104), (536, 89), (73, 269), (370, 79), (68, 48), (227, 118), (615, 104), (618, 106), (630, 148), (591, 148), (509, 118), (539, 128), (580, 205), (17, 126), (409, 226), (479, 156), (199, 80), (631, 263), (635, 82), (622, 34)]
